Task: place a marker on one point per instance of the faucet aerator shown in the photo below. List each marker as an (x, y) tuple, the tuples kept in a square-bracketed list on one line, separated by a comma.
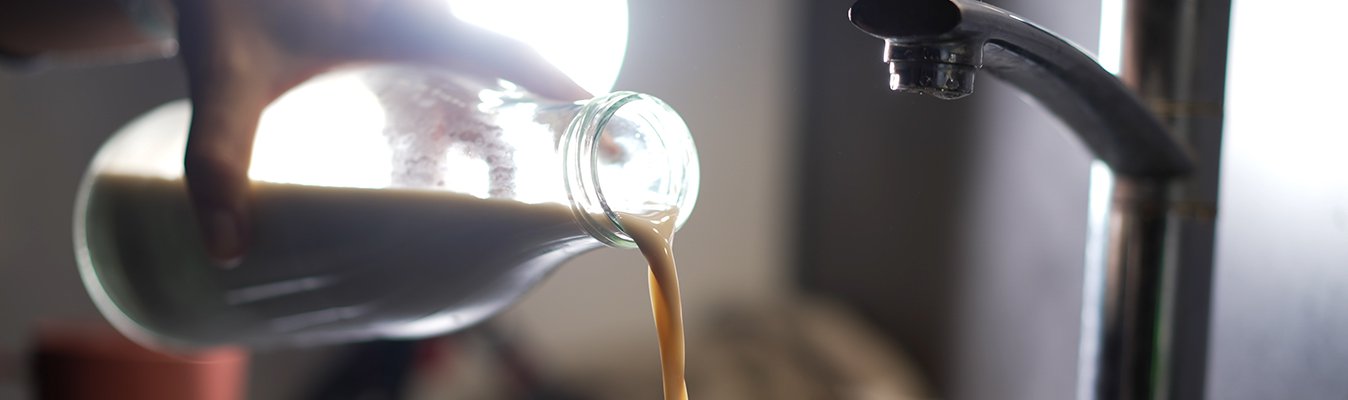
[(940, 80)]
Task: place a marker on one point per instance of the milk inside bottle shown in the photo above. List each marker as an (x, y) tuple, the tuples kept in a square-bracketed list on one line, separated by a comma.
[(387, 201)]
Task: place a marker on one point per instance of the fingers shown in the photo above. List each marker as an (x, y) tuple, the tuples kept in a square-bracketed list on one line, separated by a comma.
[(508, 59), (419, 31), (464, 47), (219, 148), (229, 83), (238, 60)]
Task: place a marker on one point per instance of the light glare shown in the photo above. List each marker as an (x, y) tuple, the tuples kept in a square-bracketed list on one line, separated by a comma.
[(1110, 51), (586, 39)]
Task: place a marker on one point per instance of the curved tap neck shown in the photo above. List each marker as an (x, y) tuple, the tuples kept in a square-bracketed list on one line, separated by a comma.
[(942, 58)]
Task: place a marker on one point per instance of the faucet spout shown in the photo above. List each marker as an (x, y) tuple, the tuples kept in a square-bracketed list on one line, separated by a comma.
[(944, 70), (936, 47), (1142, 234)]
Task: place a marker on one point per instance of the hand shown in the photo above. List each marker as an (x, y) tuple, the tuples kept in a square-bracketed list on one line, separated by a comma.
[(242, 54)]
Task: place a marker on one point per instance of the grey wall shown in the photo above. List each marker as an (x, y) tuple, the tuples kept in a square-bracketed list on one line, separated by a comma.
[(881, 178), (50, 125), (51, 122), (1280, 318), (957, 226)]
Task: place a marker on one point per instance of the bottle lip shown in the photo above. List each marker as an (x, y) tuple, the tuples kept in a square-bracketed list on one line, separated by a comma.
[(581, 158)]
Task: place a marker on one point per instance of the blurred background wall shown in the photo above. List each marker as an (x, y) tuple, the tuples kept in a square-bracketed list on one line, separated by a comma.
[(956, 228), (1280, 297), (51, 123)]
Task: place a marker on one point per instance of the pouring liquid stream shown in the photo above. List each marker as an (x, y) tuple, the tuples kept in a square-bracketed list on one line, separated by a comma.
[(654, 236)]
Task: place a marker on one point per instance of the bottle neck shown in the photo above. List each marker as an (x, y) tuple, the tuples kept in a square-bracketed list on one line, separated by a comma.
[(627, 153)]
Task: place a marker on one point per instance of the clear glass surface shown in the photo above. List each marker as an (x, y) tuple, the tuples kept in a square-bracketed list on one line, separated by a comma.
[(388, 201)]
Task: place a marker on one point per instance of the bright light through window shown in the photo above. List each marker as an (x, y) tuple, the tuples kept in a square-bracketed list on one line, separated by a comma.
[(586, 39), (1110, 51), (328, 133), (1295, 130)]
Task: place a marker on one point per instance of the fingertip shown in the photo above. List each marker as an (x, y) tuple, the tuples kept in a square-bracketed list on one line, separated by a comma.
[(219, 189), (490, 53), (225, 234), (219, 151), (551, 83), (228, 263), (540, 78), (551, 86), (572, 91)]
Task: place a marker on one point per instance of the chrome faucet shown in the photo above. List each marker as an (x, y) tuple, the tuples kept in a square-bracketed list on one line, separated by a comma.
[(1148, 260)]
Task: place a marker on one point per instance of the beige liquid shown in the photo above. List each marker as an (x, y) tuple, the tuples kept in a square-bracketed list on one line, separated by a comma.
[(326, 264), (331, 264), (654, 235)]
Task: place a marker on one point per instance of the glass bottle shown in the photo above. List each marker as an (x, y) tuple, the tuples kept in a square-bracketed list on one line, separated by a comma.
[(388, 201)]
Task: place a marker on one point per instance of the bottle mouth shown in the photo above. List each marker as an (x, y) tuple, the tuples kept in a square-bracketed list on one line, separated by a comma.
[(628, 153)]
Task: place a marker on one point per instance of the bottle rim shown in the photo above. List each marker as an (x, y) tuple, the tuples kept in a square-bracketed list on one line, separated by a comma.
[(581, 158)]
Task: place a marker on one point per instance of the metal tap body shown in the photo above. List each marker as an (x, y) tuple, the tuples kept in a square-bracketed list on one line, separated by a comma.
[(1157, 198)]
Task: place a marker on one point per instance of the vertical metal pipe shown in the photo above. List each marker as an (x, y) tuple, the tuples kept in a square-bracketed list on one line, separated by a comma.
[(1175, 59), (1126, 260)]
